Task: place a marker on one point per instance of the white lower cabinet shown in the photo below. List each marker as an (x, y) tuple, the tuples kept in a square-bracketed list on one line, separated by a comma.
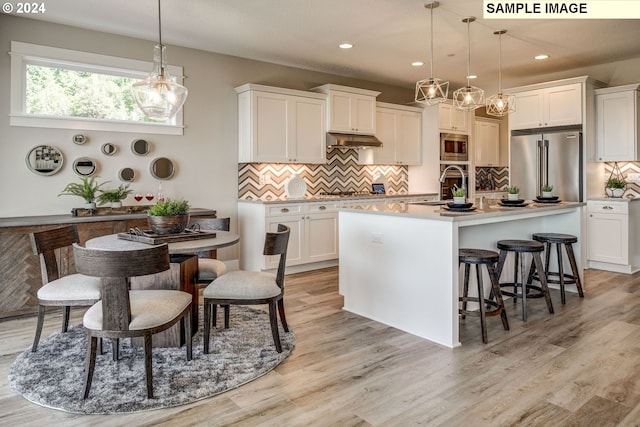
[(313, 238), (612, 234)]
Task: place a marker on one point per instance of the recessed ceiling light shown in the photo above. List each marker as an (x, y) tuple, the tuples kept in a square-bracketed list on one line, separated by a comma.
[(541, 56), (346, 46), (472, 76), (417, 63)]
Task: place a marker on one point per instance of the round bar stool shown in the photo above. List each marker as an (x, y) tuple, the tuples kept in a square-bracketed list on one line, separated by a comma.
[(519, 248), (559, 277), (479, 257)]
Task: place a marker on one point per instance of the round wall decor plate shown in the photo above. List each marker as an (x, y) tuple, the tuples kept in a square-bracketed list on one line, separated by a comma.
[(295, 187)]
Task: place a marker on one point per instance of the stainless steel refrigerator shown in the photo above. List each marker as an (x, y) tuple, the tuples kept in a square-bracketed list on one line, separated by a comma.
[(553, 158)]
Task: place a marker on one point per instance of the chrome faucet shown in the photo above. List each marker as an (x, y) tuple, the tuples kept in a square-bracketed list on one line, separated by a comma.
[(444, 172)]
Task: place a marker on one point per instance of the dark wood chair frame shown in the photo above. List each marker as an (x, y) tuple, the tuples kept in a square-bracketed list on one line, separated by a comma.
[(212, 224), (45, 244), (115, 270), (276, 243)]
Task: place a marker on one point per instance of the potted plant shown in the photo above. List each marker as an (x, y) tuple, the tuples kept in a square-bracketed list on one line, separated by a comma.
[(546, 190), (88, 190), (615, 187), (114, 196), (458, 195), (169, 216), (513, 192)]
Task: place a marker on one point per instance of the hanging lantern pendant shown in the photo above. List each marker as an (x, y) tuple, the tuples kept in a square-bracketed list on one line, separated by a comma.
[(431, 91), (501, 104), (468, 97)]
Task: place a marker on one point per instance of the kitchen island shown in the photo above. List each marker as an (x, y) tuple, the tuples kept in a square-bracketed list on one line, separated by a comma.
[(399, 262)]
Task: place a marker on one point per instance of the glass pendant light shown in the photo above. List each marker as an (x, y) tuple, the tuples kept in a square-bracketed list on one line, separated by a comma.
[(468, 97), (432, 90), (159, 96), (501, 104)]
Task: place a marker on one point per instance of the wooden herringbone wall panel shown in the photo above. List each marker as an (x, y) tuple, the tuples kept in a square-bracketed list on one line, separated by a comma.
[(20, 275)]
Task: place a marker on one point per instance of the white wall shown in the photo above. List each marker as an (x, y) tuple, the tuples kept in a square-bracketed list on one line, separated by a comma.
[(206, 155)]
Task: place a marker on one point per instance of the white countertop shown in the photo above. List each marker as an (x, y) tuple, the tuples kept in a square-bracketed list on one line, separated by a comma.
[(613, 199), (412, 210), (328, 198)]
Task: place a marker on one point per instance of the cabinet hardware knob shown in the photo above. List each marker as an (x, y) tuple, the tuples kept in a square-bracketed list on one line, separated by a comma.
[(322, 207), (284, 210)]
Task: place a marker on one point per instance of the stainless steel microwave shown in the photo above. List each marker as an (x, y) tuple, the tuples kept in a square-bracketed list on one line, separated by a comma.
[(454, 147)]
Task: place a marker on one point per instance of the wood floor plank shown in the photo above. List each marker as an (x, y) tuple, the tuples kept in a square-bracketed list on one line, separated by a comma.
[(580, 366)]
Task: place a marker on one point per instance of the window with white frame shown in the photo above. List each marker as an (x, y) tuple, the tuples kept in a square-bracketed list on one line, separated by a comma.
[(61, 88)]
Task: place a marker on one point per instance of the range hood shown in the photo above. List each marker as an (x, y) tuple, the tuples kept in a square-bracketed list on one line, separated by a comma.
[(348, 140)]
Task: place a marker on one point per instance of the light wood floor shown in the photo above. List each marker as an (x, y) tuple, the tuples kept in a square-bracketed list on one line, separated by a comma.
[(579, 367)]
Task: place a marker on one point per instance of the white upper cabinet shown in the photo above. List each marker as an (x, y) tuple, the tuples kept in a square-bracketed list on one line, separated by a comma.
[(350, 110), (551, 106), (280, 125), (617, 123), (400, 130), (452, 119), (487, 143)]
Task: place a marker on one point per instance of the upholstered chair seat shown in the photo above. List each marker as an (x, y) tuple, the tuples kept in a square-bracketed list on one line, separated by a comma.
[(243, 285), (149, 309), (210, 269), (71, 287)]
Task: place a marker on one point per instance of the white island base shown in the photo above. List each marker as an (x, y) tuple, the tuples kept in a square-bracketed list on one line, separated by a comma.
[(399, 264)]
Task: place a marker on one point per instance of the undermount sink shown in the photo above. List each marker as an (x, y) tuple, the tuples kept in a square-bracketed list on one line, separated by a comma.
[(432, 203)]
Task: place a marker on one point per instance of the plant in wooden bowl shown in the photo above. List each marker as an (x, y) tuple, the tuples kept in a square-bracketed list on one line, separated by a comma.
[(88, 190), (615, 187), (114, 196), (513, 192), (169, 216)]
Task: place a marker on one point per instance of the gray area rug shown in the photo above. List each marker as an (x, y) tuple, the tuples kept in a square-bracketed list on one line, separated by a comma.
[(54, 376)]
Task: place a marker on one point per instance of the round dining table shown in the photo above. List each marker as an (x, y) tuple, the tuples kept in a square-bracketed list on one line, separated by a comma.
[(112, 242), (181, 276)]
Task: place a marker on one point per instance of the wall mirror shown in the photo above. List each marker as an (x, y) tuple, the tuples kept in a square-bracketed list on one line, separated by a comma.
[(84, 166), (79, 139), (140, 147), (109, 149), (162, 168), (127, 175), (44, 160)]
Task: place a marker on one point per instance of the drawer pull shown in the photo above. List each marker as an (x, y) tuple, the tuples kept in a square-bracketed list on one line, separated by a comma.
[(322, 207), (607, 207), (284, 210)]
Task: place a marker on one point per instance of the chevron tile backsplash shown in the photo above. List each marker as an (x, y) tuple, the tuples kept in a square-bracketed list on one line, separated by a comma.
[(633, 189), (341, 173), (492, 178)]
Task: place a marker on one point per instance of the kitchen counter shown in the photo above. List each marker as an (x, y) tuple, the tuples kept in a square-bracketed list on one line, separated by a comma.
[(399, 261), (613, 199), (325, 198)]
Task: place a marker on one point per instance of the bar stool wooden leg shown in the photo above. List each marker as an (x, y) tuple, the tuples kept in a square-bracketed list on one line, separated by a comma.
[(574, 269), (497, 294), (465, 290), (483, 309), (560, 272), (543, 281)]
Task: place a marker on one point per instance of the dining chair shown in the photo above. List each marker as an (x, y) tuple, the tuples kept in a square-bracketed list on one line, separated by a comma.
[(72, 290), (125, 314), (209, 269), (241, 287)]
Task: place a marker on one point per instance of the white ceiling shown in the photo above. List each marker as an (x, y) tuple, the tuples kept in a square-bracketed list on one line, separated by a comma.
[(387, 36)]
